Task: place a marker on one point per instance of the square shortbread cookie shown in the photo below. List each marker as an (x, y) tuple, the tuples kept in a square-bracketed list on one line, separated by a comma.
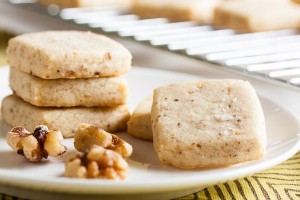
[(17, 112), (139, 124), (255, 16), (210, 123), (110, 91), (296, 1), (176, 10), (68, 54)]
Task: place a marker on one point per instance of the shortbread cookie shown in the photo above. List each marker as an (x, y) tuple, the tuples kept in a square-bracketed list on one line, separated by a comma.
[(17, 112), (110, 91), (176, 10), (210, 123), (296, 1), (255, 16), (139, 124), (68, 54), (88, 3)]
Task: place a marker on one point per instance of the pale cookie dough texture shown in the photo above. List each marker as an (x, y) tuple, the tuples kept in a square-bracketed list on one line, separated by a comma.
[(210, 123), (176, 10), (256, 16), (68, 54), (296, 1), (111, 119), (139, 124), (107, 91)]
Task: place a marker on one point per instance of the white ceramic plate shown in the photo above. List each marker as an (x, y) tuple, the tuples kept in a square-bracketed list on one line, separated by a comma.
[(148, 178)]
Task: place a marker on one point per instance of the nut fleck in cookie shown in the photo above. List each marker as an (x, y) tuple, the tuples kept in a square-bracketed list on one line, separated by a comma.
[(68, 54), (106, 91), (210, 123), (15, 111), (139, 124)]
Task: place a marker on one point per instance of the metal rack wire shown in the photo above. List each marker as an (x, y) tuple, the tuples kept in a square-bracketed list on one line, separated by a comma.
[(271, 56)]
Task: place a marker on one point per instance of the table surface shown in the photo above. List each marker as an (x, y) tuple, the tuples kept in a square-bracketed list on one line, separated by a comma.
[(279, 182)]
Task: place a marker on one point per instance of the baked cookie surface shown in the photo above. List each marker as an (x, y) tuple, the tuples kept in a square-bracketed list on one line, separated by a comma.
[(139, 124), (68, 54), (17, 112), (176, 10), (256, 16), (106, 91), (210, 123)]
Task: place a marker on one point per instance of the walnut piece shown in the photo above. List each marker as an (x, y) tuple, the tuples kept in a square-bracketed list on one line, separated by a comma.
[(97, 162), (87, 135), (37, 145)]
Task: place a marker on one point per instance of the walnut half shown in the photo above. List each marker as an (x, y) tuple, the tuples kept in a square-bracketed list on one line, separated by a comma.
[(97, 162), (37, 145), (87, 135)]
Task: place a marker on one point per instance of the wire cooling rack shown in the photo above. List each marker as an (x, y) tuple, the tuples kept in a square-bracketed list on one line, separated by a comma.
[(272, 56)]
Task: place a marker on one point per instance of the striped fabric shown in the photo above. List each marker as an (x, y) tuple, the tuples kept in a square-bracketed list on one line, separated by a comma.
[(279, 182)]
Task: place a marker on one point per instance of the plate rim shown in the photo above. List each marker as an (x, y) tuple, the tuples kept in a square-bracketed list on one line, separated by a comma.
[(129, 188)]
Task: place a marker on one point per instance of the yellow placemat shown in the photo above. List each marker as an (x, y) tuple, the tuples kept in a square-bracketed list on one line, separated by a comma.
[(279, 182), (4, 37)]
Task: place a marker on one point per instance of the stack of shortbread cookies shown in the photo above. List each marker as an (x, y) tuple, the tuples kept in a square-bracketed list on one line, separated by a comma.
[(64, 78)]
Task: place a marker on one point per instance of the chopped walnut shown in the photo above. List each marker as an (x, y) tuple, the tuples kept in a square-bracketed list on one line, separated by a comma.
[(37, 145), (97, 162), (87, 135)]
